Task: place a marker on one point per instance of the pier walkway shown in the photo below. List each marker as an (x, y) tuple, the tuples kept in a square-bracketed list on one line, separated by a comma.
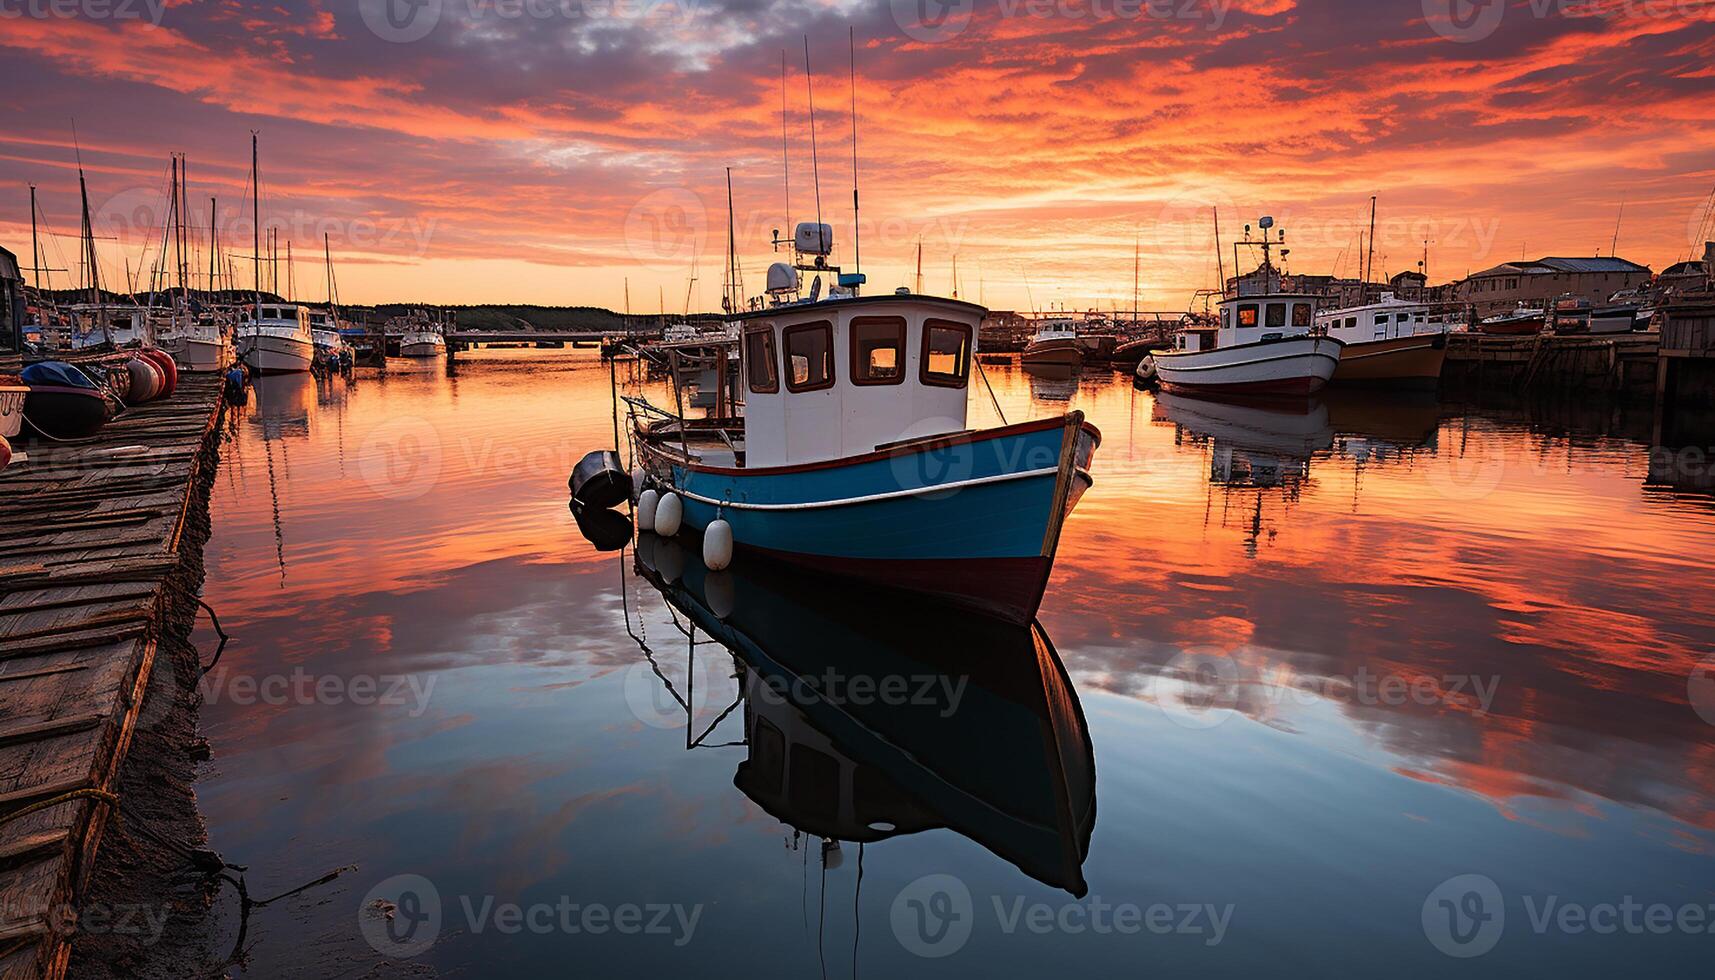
[(94, 553)]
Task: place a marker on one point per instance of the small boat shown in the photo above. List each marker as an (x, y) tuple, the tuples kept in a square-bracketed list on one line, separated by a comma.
[(1522, 321), (1055, 345), (1264, 344), (203, 345), (325, 334), (1570, 315), (13, 391), (423, 337), (1614, 319), (853, 455), (63, 403), (277, 339), (1390, 342)]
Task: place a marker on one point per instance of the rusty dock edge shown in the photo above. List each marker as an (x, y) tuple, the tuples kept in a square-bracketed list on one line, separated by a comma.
[(94, 554)]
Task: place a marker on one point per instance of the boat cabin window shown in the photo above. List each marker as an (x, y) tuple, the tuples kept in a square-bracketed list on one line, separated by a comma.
[(1277, 314), (1248, 315), (768, 756), (1226, 318), (815, 781), (809, 356), (1351, 321), (1402, 318), (1381, 318), (878, 350), (1301, 314), (760, 362), (946, 353)]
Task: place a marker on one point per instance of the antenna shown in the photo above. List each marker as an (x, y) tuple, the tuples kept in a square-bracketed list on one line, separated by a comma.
[(1220, 262), (851, 53), (815, 167), (785, 157), (1614, 248), (1370, 263)]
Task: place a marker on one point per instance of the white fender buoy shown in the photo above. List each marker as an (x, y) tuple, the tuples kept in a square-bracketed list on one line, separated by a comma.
[(669, 559), (717, 545), (638, 478), (669, 512), (720, 593), (648, 504)]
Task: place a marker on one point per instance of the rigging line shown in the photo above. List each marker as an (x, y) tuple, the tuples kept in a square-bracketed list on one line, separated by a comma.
[(857, 919), (822, 917), (851, 53), (785, 156)]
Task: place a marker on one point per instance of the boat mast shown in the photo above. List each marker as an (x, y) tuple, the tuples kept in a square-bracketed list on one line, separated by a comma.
[(256, 225), (213, 246), (1370, 262), (1136, 257), (1220, 261), (851, 51), (35, 243), (730, 299), (327, 260), (919, 266), (785, 154), (815, 166)]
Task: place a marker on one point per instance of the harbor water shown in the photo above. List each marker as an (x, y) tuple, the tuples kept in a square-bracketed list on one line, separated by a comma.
[(1378, 685)]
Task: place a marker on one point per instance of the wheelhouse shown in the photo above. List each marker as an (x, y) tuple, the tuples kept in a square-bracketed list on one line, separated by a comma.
[(1253, 319), (850, 376)]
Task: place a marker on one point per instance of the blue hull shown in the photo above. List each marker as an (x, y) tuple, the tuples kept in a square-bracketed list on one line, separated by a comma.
[(975, 517)]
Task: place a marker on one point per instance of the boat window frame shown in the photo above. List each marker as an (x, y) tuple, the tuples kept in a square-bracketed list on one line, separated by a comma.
[(1256, 316), (772, 352), (858, 376), (938, 379), (1302, 314), (823, 326), (1268, 316)]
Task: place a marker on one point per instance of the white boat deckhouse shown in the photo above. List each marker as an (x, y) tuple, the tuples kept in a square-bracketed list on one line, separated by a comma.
[(853, 454)]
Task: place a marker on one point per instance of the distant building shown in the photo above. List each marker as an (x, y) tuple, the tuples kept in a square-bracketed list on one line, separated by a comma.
[(11, 305), (1539, 283)]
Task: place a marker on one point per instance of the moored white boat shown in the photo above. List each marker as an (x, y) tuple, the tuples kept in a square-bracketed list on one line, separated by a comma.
[(1264, 345), (1389, 342), (1055, 345), (277, 339)]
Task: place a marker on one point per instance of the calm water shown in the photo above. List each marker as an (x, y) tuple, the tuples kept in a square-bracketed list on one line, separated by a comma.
[(1316, 665)]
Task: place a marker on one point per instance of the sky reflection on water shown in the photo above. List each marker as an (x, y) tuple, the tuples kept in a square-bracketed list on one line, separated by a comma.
[(1325, 661)]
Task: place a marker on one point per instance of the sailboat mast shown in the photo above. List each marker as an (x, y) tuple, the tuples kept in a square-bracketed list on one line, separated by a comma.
[(1370, 260), (1136, 258), (256, 224), (35, 243), (729, 297), (919, 266), (213, 245)]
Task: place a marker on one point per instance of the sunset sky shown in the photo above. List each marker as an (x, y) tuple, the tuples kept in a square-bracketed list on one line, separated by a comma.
[(552, 151)]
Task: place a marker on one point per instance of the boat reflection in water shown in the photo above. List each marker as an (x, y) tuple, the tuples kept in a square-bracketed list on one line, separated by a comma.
[(871, 715), (1266, 449)]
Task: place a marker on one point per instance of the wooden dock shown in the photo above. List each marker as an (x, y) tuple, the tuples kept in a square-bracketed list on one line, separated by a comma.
[(94, 550), (1618, 363)]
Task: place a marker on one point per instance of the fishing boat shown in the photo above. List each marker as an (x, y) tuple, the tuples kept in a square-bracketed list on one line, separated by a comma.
[(1055, 345), (1391, 342), (203, 344), (1569, 315), (1264, 343), (422, 337), (325, 334), (277, 339), (853, 454), (1522, 321), (64, 404)]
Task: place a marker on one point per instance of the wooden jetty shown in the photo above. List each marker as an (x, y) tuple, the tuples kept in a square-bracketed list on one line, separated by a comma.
[(94, 552), (1619, 363)]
